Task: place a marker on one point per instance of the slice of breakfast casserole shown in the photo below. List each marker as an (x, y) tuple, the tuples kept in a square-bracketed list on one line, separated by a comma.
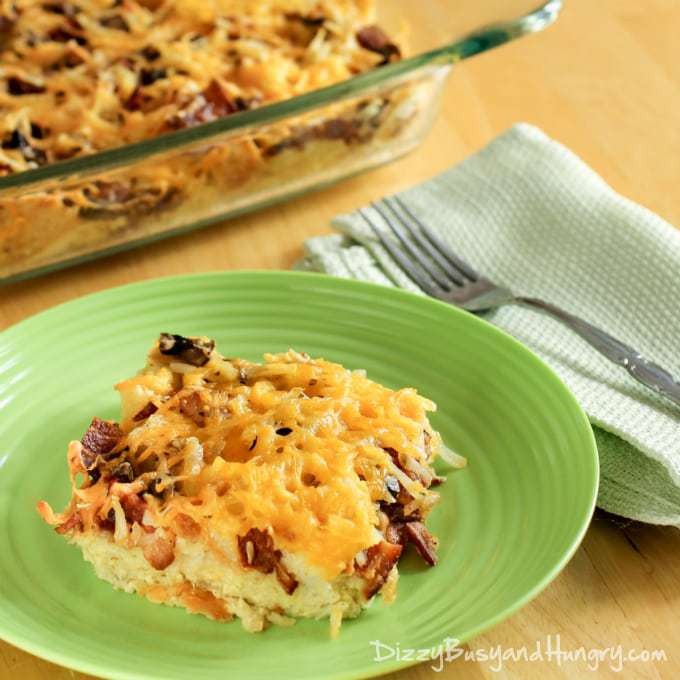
[(264, 491)]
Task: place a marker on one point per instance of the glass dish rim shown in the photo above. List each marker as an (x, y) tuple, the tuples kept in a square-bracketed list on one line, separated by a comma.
[(477, 42)]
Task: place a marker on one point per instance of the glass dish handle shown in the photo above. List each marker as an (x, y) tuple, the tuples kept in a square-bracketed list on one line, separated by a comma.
[(496, 34)]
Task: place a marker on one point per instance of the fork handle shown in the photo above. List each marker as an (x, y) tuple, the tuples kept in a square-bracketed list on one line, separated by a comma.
[(644, 371)]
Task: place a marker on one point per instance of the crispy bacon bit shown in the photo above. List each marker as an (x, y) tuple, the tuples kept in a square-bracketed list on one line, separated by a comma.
[(73, 522), (115, 22), (373, 38), (219, 102), (105, 193), (308, 479), (134, 508), (380, 559), (187, 526), (64, 35), (150, 53), (69, 60), (101, 436), (307, 20), (8, 19), (257, 551), (147, 411), (192, 407), (286, 579), (193, 351), (63, 8), (18, 87), (216, 104), (136, 100), (424, 542), (159, 551), (115, 198), (107, 523), (148, 76), (340, 128)]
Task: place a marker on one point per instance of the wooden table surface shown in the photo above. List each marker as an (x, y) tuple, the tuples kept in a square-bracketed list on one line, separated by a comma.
[(604, 81)]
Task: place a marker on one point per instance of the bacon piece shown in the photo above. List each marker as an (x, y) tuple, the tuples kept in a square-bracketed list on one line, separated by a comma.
[(148, 76), (101, 437), (107, 523), (64, 35), (8, 20), (64, 8), (150, 53), (159, 550), (136, 101), (340, 128), (147, 411), (380, 559), (115, 22), (73, 522), (106, 193), (286, 579), (373, 38), (18, 87), (134, 508), (424, 542), (187, 526), (257, 551), (193, 408), (216, 104)]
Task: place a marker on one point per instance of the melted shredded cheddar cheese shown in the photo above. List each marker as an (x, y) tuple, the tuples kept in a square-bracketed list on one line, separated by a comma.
[(294, 446), (79, 76), (300, 449)]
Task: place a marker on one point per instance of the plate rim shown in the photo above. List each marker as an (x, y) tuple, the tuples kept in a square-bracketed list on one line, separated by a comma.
[(37, 649)]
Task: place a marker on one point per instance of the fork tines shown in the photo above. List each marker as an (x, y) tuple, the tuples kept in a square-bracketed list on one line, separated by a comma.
[(424, 257)]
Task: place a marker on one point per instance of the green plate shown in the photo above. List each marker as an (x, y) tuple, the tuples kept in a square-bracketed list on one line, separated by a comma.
[(507, 523)]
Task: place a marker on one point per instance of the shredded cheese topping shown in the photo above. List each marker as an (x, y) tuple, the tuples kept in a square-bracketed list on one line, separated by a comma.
[(302, 450), (79, 76), (295, 446)]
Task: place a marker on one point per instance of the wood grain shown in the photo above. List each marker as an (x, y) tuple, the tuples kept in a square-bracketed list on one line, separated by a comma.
[(605, 82)]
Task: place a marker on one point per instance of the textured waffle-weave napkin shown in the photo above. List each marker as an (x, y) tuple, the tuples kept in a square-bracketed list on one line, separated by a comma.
[(529, 214)]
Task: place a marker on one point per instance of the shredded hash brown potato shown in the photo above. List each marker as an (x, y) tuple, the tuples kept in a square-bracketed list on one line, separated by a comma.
[(283, 489)]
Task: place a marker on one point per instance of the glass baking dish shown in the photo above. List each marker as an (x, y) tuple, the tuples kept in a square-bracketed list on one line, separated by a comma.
[(255, 158)]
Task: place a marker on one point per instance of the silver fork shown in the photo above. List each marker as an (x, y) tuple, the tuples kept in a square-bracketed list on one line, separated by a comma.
[(442, 274)]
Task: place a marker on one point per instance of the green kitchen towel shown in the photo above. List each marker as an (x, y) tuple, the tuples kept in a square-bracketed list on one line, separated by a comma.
[(530, 215)]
